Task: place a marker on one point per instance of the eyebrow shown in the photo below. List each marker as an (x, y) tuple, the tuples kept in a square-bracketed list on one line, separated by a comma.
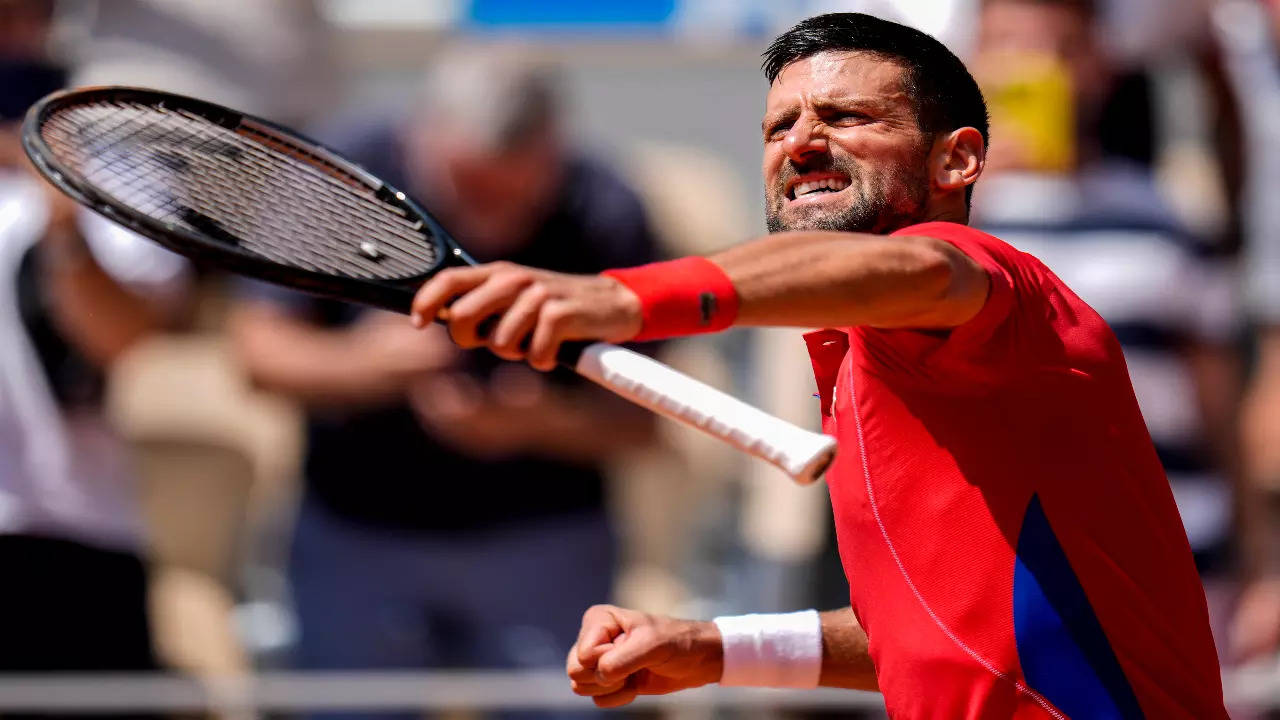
[(827, 104), (870, 102), (774, 119)]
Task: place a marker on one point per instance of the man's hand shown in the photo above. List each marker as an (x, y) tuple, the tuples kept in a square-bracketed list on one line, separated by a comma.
[(623, 653), (484, 421), (500, 305)]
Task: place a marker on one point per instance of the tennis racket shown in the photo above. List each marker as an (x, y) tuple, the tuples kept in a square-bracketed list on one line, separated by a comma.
[(260, 200)]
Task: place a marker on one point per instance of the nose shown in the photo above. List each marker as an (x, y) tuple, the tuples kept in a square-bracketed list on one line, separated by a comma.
[(805, 140)]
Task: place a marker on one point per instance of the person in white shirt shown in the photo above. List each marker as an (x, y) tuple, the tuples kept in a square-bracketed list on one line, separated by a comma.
[(75, 293)]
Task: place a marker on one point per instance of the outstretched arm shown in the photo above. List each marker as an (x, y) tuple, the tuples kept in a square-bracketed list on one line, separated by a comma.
[(802, 279), (623, 653), (833, 279)]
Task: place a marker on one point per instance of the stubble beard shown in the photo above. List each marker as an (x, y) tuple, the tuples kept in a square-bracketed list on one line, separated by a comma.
[(881, 206)]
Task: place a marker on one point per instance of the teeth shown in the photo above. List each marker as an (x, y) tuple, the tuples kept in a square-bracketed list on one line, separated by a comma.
[(833, 184)]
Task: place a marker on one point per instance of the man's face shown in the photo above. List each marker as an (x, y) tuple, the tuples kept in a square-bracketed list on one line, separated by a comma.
[(492, 200), (842, 147), (1062, 33)]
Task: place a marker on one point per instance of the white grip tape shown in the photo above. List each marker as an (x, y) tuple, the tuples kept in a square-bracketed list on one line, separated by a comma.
[(801, 453)]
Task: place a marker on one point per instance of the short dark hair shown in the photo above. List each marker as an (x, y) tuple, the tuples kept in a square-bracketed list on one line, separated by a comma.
[(945, 95)]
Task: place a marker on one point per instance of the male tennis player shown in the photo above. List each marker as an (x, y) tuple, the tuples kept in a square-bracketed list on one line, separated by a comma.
[(1010, 541)]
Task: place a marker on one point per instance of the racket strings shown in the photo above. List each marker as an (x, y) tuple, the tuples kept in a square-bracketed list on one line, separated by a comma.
[(180, 156), (397, 221), (146, 186), (121, 172), (207, 193), (245, 186)]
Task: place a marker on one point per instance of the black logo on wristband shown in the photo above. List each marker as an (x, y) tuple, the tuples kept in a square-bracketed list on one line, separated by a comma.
[(708, 305)]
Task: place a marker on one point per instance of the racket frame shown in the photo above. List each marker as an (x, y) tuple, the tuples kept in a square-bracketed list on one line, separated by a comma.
[(394, 295)]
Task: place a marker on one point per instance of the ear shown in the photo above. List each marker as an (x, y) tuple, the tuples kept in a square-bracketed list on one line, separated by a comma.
[(957, 160)]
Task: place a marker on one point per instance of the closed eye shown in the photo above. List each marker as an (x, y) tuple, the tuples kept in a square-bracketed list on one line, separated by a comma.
[(778, 125), (777, 130), (846, 118)]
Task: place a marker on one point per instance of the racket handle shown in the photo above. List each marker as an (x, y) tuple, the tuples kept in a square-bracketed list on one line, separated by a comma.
[(801, 453)]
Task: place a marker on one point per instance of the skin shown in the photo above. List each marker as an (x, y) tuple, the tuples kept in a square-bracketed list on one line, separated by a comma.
[(840, 115), (1255, 629), (491, 199), (101, 317), (1021, 28), (1017, 40), (621, 654)]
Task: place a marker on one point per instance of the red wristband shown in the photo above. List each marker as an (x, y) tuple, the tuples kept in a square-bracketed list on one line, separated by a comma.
[(688, 296)]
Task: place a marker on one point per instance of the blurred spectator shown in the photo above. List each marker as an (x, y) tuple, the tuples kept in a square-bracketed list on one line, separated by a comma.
[(268, 58), (454, 508), (1096, 219), (1249, 35), (75, 293), (24, 28)]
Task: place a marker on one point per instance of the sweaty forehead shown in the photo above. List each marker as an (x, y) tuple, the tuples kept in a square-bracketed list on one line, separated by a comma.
[(835, 75)]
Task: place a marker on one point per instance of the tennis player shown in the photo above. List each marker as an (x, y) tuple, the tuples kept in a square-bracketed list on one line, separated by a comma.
[(1010, 540)]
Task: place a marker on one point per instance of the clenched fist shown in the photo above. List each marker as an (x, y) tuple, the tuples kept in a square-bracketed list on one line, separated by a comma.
[(623, 653)]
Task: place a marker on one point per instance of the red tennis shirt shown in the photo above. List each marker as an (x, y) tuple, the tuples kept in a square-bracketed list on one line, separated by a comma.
[(1010, 540)]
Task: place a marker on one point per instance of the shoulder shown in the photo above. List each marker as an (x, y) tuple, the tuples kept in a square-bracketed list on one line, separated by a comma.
[(994, 255), (606, 213), (1027, 303)]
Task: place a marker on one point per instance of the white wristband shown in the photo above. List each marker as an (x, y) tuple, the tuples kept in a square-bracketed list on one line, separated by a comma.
[(779, 650)]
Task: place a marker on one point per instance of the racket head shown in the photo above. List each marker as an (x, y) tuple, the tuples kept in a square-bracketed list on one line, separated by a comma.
[(237, 192)]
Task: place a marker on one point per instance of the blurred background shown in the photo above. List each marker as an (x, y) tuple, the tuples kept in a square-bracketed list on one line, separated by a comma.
[(255, 502)]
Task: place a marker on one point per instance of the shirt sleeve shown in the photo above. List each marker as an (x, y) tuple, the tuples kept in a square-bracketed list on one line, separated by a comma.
[(1030, 321), (989, 253)]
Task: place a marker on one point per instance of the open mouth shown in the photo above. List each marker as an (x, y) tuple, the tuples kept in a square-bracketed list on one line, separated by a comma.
[(812, 185)]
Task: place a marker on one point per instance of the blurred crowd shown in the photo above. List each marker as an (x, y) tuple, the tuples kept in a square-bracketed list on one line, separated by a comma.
[(211, 475)]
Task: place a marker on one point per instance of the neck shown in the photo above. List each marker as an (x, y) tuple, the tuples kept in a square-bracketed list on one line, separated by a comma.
[(950, 212)]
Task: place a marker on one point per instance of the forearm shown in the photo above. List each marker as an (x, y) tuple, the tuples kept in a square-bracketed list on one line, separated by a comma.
[(846, 657), (1217, 371), (589, 425), (1259, 503), (830, 279), (312, 365), (98, 315)]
